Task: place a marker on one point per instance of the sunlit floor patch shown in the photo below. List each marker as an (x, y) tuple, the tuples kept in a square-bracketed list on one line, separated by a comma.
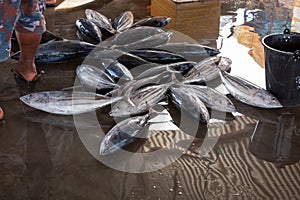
[(72, 4)]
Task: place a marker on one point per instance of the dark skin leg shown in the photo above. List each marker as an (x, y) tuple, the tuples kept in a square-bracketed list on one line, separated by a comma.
[(29, 43)]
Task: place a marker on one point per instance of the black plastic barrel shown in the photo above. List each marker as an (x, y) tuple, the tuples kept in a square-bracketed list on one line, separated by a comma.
[(282, 65)]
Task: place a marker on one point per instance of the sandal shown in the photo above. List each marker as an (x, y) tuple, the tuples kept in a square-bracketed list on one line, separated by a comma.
[(50, 5), (19, 76)]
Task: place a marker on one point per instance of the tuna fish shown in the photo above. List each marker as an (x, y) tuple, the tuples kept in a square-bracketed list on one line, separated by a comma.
[(88, 31), (180, 67), (209, 96), (190, 51), (125, 132), (123, 22), (100, 20), (134, 102), (94, 77), (208, 69), (67, 102), (190, 103), (249, 93), (59, 51), (157, 56), (153, 21)]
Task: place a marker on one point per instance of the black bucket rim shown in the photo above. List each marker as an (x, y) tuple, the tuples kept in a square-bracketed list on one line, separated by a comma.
[(271, 48)]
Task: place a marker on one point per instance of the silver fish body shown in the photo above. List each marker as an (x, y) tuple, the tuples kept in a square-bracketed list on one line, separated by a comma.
[(135, 102), (133, 85), (154, 40), (123, 133), (137, 38), (157, 56), (180, 67), (190, 51), (67, 102), (100, 20), (208, 69), (249, 93), (123, 22), (210, 97), (118, 72), (94, 77), (88, 31), (190, 103)]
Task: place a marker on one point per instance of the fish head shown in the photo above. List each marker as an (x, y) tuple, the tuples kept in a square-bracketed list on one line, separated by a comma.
[(121, 108), (271, 100), (35, 98)]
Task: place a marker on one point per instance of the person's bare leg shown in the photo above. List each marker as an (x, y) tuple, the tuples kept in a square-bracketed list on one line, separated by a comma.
[(29, 43), (1, 114)]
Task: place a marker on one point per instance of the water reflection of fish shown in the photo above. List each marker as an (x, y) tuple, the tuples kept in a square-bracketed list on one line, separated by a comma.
[(58, 51), (88, 31), (67, 102), (249, 93)]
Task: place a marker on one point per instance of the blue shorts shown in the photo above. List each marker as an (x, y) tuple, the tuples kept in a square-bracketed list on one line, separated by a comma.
[(23, 16)]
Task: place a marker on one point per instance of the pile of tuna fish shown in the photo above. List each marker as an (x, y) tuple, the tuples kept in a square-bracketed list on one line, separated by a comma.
[(97, 26), (135, 70)]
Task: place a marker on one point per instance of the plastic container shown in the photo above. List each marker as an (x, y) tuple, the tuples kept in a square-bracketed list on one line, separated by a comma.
[(282, 65)]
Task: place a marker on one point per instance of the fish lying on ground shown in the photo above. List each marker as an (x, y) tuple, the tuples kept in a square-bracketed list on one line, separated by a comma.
[(59, 51), (125, 132), (189, 102), (88, 31), (140, 37), (209, 96), (153, 21), (135, 84), (130, 61), (248, 93), (208, 69), (67, 102), (180, 67), (157, 56), (123, 22), (190, 51), (134, 101), (100, 20), (118, 72), (94, 77)]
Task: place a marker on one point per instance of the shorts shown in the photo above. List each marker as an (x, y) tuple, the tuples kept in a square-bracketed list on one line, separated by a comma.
[(23, 16)]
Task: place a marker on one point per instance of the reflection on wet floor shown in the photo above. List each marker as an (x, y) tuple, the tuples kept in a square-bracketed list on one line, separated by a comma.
[(42, 156)]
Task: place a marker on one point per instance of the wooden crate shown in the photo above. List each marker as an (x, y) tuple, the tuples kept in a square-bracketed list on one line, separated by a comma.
[(197, 19)]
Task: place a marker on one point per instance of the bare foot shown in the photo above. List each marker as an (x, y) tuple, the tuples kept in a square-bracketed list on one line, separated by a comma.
[(1, 114), (28, 71)]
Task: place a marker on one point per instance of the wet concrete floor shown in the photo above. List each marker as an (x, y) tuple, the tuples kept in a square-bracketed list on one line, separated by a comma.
[(45, 156)]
